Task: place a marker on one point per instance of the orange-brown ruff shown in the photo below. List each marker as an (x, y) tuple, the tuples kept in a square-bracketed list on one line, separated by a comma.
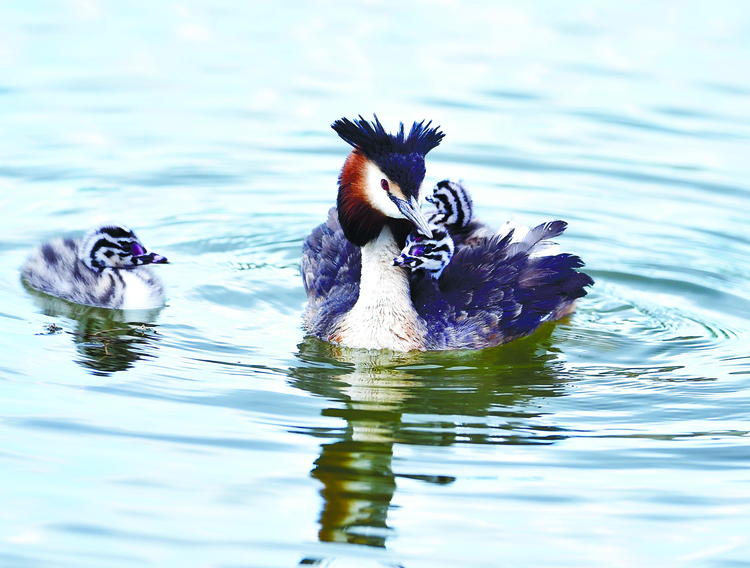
[(352, 200)]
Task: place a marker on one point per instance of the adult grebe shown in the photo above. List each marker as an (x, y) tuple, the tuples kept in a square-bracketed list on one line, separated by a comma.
[(105, 269), (495, 288)]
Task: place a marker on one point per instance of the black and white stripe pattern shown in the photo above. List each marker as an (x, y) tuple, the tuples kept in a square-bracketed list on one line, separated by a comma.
[(430, 255), (107, 247), (454, 212), (104, 269), (454, 205)]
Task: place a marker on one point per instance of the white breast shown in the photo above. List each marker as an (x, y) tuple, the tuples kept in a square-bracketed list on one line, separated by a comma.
[(384, 316), (139, 295)]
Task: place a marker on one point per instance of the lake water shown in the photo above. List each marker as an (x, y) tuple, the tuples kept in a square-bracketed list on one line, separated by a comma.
[(213, 433)]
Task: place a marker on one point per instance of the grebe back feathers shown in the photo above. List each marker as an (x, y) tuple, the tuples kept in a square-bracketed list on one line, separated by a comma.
[(499, 290)]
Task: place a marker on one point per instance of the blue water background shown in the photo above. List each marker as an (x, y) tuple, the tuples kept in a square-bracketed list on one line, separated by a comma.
[(213, 433)]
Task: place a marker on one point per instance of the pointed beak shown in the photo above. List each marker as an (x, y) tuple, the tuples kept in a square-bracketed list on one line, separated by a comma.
[(412, 211), (152, 258)]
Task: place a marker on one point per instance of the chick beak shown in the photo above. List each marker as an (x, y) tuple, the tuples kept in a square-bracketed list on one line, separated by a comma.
[(151, 258), (412, 211)]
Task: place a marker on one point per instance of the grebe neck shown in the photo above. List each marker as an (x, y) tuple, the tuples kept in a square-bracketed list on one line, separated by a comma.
[(384, 316)]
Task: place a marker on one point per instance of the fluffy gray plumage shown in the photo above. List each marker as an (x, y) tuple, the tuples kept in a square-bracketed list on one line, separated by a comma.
[(106, 269)]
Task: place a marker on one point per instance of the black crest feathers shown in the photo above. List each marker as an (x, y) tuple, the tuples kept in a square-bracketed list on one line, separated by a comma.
[(373, 141)]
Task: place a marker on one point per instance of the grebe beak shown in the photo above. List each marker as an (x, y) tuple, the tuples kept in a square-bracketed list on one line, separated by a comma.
[(152, 258), (412, 211)]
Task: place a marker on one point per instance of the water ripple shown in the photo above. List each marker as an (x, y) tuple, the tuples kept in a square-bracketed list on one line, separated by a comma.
[(217, 416), (76, 427), (623, 312), (652, 126)]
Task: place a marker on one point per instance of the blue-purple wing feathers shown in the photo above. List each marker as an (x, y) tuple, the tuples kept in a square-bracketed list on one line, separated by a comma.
[(498, 290), (331, 268)]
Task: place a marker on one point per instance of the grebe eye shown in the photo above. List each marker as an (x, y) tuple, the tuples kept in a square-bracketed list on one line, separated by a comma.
[(384, 184), (126, 247)]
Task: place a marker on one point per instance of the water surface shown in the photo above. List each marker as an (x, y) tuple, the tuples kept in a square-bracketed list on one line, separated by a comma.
[(212, 432)]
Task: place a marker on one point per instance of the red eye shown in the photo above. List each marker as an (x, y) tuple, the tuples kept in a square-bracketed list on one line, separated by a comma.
[(384, 184)]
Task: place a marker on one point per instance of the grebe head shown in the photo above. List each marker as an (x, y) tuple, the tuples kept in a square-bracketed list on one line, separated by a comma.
[(115, 246), (453, 203), (429, 254), (382, 177)]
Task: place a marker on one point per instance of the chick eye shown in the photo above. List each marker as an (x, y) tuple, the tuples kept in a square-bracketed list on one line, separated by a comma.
[(126, 247), (384, 184)]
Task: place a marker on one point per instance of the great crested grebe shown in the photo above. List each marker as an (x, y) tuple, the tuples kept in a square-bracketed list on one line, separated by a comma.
[(106, 269), (495, 288)]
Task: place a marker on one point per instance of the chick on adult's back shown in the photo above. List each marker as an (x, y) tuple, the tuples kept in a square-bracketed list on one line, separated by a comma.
[(106, 269)]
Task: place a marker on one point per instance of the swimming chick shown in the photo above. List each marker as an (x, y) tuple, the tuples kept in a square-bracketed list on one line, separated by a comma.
[(492, 291), (106, 269)]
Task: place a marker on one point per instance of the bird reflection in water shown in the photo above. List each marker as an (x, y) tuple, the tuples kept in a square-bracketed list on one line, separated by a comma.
[(107, 340), (356, 471), (389, 398)]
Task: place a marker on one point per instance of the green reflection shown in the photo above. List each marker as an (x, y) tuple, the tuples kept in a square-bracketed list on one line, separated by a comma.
[(429, 399), (107, 340)]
